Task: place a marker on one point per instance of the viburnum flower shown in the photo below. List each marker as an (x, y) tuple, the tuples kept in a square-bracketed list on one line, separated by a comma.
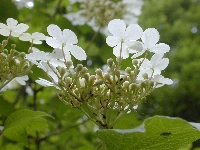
[(65, 40), (124, 39), (35, 38), (12, 28), (149, 38), (160, 81)]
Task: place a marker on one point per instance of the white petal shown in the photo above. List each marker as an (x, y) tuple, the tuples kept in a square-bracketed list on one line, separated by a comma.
[(135, 45), (56, 54), (38, 36), (133, 32), (3, 26), (44, 82), (150, 37), (160, 48), (125, 52), (11, 22), (25, 37), (5, 32), (54, 42), (21, 80), (113, 40), (76, 51), (19, 29), (69, 37), (40, 55), (117, 27), (55, 32), (116, 50)]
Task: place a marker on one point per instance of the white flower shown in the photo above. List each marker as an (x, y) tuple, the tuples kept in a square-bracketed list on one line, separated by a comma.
[(149, 38), (65, 40), (12, 28), (154, 66), (35, 38), (160, 81), (124, 39)]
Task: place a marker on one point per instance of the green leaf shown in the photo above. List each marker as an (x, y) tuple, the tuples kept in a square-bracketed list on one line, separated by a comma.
[(22, 121), (158, 132)]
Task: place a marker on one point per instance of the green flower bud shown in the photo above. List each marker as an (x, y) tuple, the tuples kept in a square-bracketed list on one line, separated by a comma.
[(128, 70), (126, 83), (134, 62), (68, 80), (92, 78), (145, 76), (86, 76), (13, 46), (5, 51), (79, 67), (68, 64), (110, 62), (98, 82), (84, 70), (107, 76), (99, 73)]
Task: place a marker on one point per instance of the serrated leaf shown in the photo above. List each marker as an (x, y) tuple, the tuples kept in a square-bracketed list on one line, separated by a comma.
[(17, 124), (158, 132)]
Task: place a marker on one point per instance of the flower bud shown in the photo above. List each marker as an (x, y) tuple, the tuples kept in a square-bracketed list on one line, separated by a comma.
[(128, 70), (134, 62), (68, 64), (84, 70), (86, 76), (99, 73), (126, 83), (106, 76), (92, 78), (79, 67), (68, 80), (13, 46), (98, 82), (110, 62), (145, 76)]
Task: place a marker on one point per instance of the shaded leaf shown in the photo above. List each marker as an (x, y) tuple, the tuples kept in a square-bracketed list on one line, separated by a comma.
[(17, 124), (158, 132)]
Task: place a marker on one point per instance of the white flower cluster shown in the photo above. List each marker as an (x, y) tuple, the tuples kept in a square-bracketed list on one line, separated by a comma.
[(126, 40), (110, 91), (98, 13)]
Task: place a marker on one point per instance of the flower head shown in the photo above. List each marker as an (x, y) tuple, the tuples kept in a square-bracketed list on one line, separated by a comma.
[(12, 28), (159, 81), (124, 39), (65, 40)]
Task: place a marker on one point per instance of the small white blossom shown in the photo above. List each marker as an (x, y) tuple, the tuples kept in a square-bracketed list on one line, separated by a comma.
[(12, 28), (160, 81), (124, 39), (149, 38), (65, 40), (154, 66), (35, 38)]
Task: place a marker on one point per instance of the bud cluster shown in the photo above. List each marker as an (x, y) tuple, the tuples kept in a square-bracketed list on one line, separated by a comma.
[(105, 96), (12, 64)]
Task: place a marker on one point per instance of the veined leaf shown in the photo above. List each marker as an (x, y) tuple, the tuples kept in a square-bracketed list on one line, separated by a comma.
[(158, 132)]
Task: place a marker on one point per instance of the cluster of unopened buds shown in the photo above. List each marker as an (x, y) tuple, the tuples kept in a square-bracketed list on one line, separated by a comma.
[(107, 95)]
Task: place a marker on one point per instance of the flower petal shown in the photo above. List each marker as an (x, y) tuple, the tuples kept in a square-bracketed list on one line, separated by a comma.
[(113, 40), (150, 37), (69, 37), (44, 82), (25, 37), (76, 51), (117, 27), (55, 32), (19, 29), (11, 22), (133, 32), (160, 48), (54, 42)]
